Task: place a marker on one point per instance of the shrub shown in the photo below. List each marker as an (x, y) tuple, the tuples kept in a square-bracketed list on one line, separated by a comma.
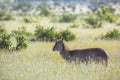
[(110, 17), (114, 34), (29, 20), (21, 42), (54, 18), (5, 41), (68, 18), (5, 16), (107, 13), (45, 11), (74, 25), (93, 22), (22, 31), (48, 34), (4, 38), (42, 33), (118, 24), (2, 29), (66, 34)]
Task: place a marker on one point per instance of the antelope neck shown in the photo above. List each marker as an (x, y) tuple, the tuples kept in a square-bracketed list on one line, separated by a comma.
[(65, 52)]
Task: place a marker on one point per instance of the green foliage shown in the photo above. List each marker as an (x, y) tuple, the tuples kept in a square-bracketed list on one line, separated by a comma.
[(66, 34), (54, 18), (93, 22), (42, 33), (5, 16), (2, 30), (107, 13), (74, 25), (45, 11), (118, 24), (48, 34), (114, 34), (68, 18), (5, 41), (21, 42), (21, 31), (4, 38), (29, 20)]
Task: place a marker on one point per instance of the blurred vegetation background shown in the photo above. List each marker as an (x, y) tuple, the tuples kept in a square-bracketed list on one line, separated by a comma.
[(38, 13)]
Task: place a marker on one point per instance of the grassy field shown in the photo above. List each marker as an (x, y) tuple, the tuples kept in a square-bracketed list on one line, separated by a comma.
[(39, 62)]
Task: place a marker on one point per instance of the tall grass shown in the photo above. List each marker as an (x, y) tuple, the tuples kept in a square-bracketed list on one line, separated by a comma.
[(38, 62)]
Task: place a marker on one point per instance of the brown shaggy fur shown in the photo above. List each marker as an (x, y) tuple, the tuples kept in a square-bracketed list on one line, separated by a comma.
[(81, 55)]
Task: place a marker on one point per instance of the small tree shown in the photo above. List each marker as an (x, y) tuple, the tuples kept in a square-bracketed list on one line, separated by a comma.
[(5, 41), (21, 42), (107, 13), (113, 34), (66, 34), (68, 18), (21, 31), (29, 20), (48, 34), (5, 16), (74, 25), (42, 33), (45, 11), (93, 22), (2, 29)]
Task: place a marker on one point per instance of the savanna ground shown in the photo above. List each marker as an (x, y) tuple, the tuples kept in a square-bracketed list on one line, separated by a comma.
[(39, 62)]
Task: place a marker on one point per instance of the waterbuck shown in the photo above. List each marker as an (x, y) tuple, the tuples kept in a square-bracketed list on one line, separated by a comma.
[(81, 55)]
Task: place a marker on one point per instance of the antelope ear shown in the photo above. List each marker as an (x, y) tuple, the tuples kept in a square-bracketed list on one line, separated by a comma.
[(62, 38), (55, 39)]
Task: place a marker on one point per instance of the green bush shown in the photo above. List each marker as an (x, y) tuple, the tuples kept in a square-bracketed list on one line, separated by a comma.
[(2, 29), (66, 34), (21, 42), (45, 11), (114, 34), (68, 18), (5, 42), (48, 34), (54, 18), (74, 25), (42, 33), (20, 38), (29, 20), (107, 13), (93, 22), (5, 16), (118, 24), (21, 31)]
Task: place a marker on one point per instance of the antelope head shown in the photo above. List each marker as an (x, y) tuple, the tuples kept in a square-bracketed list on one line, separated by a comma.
[(59, 45)]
